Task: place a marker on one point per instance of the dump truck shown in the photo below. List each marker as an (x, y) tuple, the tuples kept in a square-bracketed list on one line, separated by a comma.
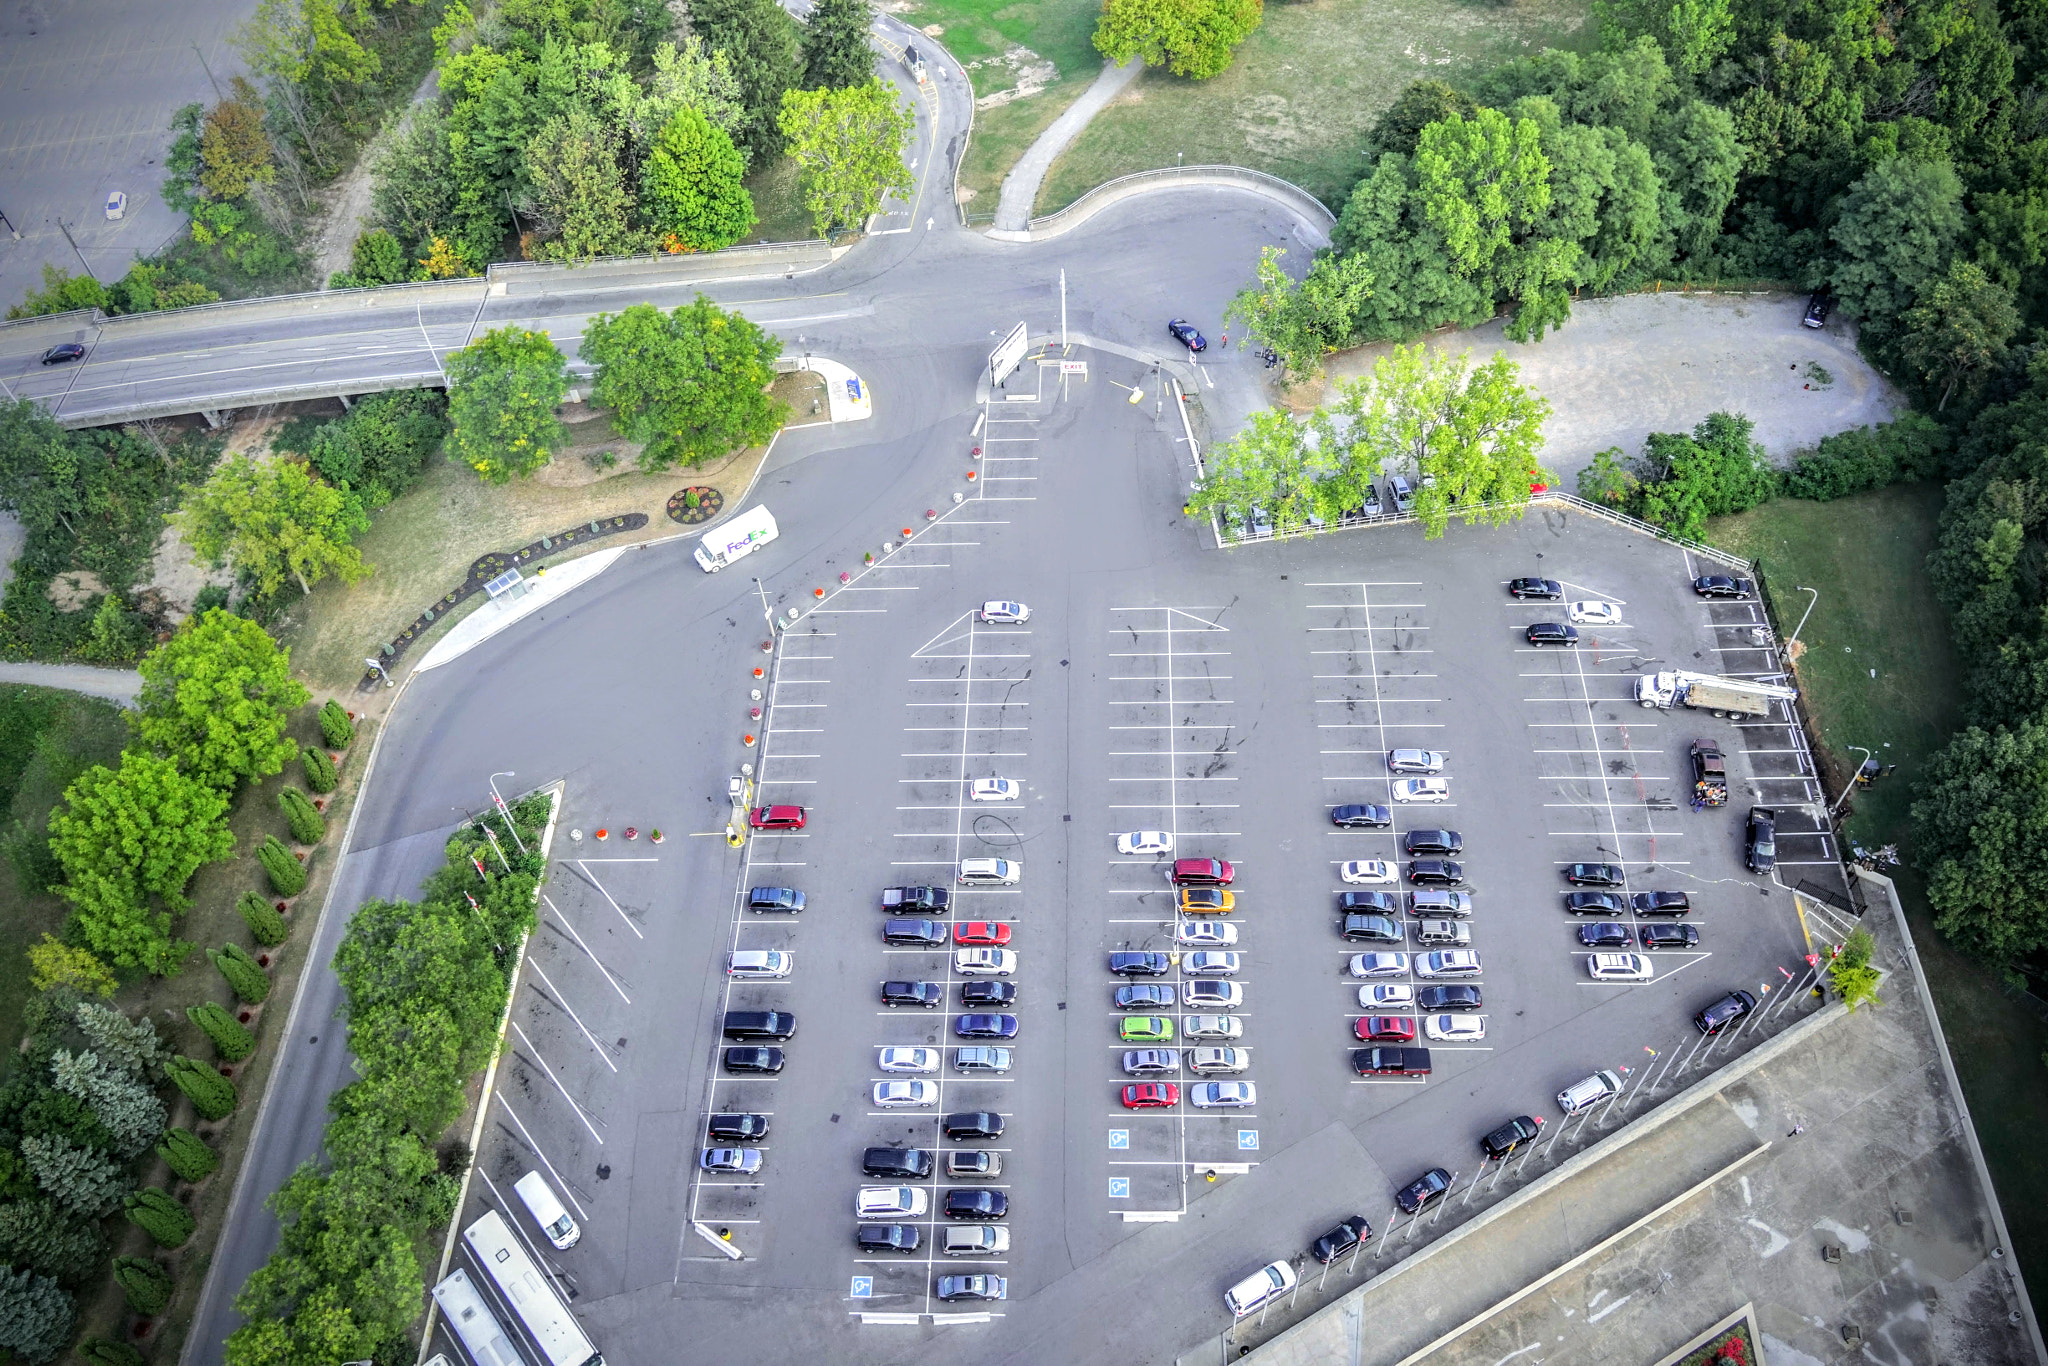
[(1722, 697), (1709, 774)]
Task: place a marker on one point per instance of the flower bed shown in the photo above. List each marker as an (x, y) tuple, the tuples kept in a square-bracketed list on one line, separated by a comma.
[(695, 505), (1731, 1348)]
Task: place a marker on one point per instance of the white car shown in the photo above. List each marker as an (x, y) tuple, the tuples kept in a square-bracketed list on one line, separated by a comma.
[(1213, 1027), (1619, 967), (753, 963), (1000, 870), (984, 962), (1369, 872), (1595, 613), (995, 790), (1209, 965), (1379, 965), (891, 1202), (1206, 933), (1201, 1060), (1416, 760), (909, 1060), (1422, 790), (1448, 963), (1144, 842), (1005, 613), (1386, 996), (1223, 1095), (1454, 1028), (1219, 995), (896, 1095)]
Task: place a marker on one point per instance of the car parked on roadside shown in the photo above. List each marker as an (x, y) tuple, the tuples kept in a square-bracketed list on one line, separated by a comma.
[(1588, 1092), (1000, 613), (1205, 932), (1669, 936), (1619, 967), (1145, 996), (908, 1058), (985, 1027), (1206, 901), (1183, 331), (982, 962), (1454, 1028), (1150, 1062), (994, 790), (1595, 903), (1379, 965), (1385, 1029), (1431, 1185), (1448, 963), (1214, 1026), (1594, 613), (784, 899), (1420, 790), (895, 1095), (1204, 1061), (1605, 934), (1211, 993), (982, 993)]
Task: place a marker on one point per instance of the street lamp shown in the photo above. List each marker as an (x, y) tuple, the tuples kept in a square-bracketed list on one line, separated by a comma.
[(1802, 588), (1850, 786), (378, 666), (493, 780)]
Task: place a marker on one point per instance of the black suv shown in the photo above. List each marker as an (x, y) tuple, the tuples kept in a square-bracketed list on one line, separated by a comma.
[(910, 1164), (1433, 842), (976, 1204), (1593, 875), (924, 933), (1361, 816), (1139, 964), (1509, 1136), (973, 1124), (887, 1238), (1372, 929), (753, 1060), (1594, 903), (787, 899), (1435, 872), (1378, 903), (1548, 590), (1761, 842), (1341, 1239), (983, 992), (1423, 1189), (1722, 586), (1661, 903), (738, 1128), (1605, 934), (930, 995), (1144, 996), (1541, 633), (759, 1024), (1453, 996), (1670, 936), (1723, 1012)]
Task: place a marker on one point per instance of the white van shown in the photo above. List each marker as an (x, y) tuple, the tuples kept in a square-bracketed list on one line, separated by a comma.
[(1005, 871), (1275, 1278), (539, 1199), (751, 963), (736, 539), (1591, 1091)]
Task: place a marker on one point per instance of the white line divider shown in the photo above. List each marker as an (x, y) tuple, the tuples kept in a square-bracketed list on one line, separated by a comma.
[(1151, 1216), (941, 1319), (711, 1236), (909, 1319)]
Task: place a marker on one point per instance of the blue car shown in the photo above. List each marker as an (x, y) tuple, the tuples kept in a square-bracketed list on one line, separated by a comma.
[(1184, 332), (985, 1027)]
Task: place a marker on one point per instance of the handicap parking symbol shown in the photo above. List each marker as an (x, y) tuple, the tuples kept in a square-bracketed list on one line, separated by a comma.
[(1248, 1140), (1119, 1138), (863, 1287), (1119, 1187)]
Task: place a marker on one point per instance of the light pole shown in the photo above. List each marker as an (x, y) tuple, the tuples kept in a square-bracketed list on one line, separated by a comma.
[(1850, 786), (1802, 588), (381, 671), (767, 612), (493, 780)]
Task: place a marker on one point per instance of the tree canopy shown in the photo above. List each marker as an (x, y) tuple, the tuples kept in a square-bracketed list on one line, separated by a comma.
[(692, 383), (503, 390), (1192, 38), (214, 700), (835, 44), (691, 186), (849, 146), (272, 521)]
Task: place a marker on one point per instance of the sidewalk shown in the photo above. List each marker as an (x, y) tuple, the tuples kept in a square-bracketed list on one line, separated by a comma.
[(493, 617), (116, 685), (1020, 186)]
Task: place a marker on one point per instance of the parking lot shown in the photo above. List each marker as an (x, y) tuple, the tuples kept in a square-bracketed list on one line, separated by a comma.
[(1229, 700)]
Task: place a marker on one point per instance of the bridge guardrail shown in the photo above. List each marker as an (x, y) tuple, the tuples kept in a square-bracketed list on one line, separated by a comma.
[(1228, 177)]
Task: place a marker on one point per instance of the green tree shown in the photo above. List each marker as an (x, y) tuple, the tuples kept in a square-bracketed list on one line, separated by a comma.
[(692, 77), (1980, 825), (232, 1040), (1720, 468), (211, 1094), (299, 813), (835, 44), (266, 926), (1698, 158), (503, 389), (1609, 480), (335, 726), (764, 48), (1850, 971), (581, 189), (101, 1352), (1898, 227), (45, 1237), (61, 293), (214, 700), (1958, 330), (282, 866), (377, 259), (320, 774), (244, 975), (1302, 322), (690, 184), (1271, 464), (187, 1155), (129, 1110), (273, 520), (146, 1284), (124, 836), (115, 636), (691, 384), (848, 145), (53, 963), (36, 1316), (161, 1215), (1485, 185), (1400, 127), (1471, 435), (129, 1046), (234, 151), (1191, 38), (82, 1179)]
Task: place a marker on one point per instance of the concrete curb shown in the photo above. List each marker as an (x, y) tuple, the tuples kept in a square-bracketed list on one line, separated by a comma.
[(1314, 214)]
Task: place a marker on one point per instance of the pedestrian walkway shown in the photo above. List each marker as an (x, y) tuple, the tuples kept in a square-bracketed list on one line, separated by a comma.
[(1020, 187), (116, 685)]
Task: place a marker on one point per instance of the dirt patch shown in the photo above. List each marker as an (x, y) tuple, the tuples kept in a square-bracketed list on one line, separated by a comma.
[(1027, 72), (71, 592), (177, 575)]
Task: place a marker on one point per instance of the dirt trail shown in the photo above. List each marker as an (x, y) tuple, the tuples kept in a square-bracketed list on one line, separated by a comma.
[(348, 202)]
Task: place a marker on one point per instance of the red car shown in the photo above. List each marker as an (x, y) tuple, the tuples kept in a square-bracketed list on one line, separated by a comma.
[(1385, 1029), (1202, 872), (1151, 1095), (981, 932), (776, 818)]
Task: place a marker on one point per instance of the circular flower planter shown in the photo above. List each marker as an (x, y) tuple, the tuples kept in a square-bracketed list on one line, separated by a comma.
[(698, 503)]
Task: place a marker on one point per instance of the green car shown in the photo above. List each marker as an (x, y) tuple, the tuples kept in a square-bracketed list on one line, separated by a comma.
[(1145, 1029)]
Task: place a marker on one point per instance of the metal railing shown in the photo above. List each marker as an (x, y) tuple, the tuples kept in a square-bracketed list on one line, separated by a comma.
[(1242, 177)]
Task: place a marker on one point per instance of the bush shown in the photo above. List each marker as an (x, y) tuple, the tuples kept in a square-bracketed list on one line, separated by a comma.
[(100, 1352), (146, 1284), (1911, 448), (266, 925), (377, 449), (1850, 969), (161, 1215), (287, 874), (245, 975), (307, 826), (55, 964), (335, 726), (36, 1316), (211, 1094), (320, 774), (187, 1154), (231, 1038)]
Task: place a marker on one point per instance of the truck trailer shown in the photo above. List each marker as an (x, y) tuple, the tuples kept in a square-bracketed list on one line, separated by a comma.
[(1724, 697)]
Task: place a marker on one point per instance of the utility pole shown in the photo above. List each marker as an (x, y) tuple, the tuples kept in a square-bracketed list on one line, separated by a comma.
[(209, 72), (504, 811), (1063, 310), (66, 230)]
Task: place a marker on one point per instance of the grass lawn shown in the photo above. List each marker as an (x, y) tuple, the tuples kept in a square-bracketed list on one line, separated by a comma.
[(1305, 88), (1867, 557), (779, 203)]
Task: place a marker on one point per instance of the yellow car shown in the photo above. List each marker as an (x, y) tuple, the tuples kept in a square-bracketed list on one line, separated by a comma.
[(1206, 901)]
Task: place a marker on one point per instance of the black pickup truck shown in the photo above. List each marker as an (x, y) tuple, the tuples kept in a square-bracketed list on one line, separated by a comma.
[(1398, 1062), (1709, 774), (899, 899)]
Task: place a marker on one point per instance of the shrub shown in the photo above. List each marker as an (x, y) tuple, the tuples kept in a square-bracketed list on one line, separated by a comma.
[(187, 1154), (231, 1038), (335, 726), (36, 1316), (100, 1352), (307, 826), (1911, 448), (266, 926), (125, 1107), (211, 1094), (1850, 969), (161, 1215), (287, 874), (55, 964), (146, 1284), (320, 774), (245, 975)]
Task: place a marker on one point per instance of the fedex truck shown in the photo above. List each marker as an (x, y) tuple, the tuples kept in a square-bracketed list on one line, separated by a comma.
[(736, 539)]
